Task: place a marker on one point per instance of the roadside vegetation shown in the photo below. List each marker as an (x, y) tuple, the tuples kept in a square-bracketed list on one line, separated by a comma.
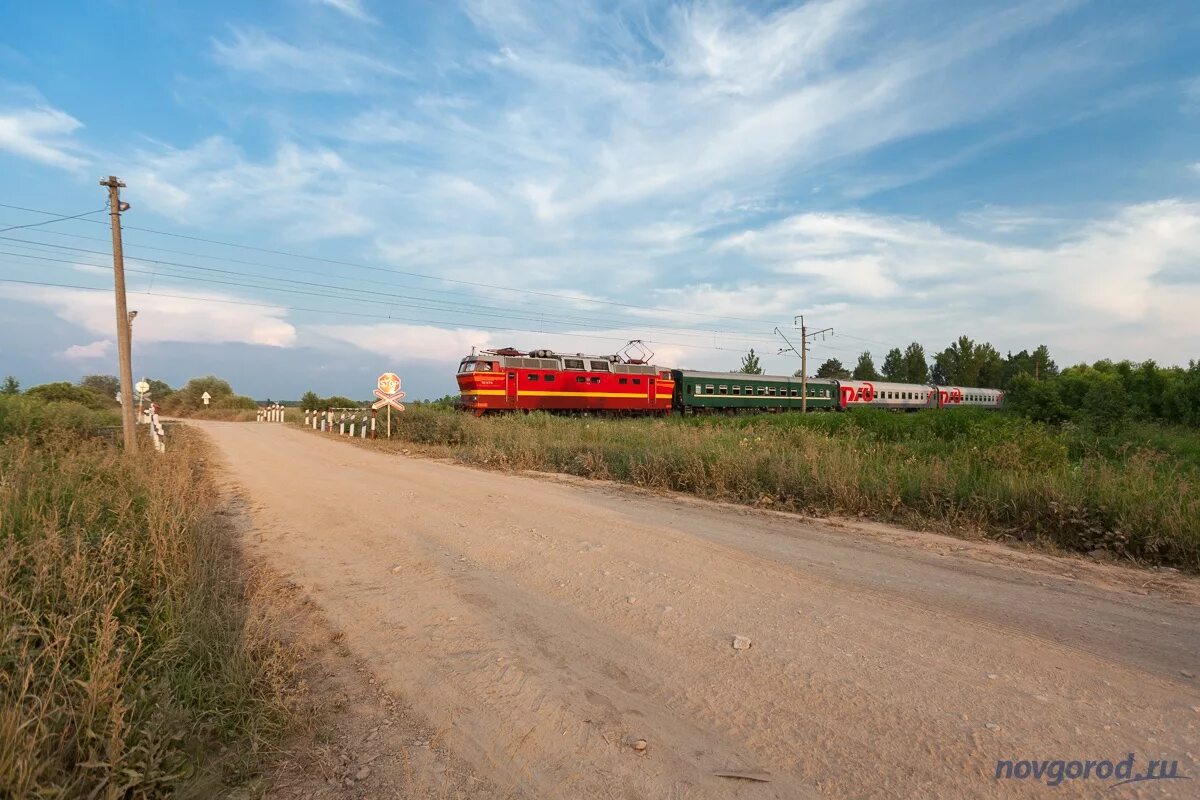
[(1132, 493), (132, 660)]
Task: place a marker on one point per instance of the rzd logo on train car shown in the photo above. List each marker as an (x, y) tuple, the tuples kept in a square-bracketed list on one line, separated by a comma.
[(861, 394), (953, 396)]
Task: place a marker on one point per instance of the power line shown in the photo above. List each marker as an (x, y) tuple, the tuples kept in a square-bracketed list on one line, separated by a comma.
[(49, 221), (484, 310), (466, 310), (356, 265), (227, 301)]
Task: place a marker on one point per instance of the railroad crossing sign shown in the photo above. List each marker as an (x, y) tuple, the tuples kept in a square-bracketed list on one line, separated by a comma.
[(142, 386), (388, 392), (206, 397)]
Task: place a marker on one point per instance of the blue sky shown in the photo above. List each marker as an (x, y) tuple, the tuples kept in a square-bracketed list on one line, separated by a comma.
[(572, 175)]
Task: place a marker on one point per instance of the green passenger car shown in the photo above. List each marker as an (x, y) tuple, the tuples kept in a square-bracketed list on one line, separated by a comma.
[(738, 391)]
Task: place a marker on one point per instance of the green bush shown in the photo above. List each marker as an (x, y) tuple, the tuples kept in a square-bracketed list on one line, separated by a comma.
[(64, 392), (31, 416)]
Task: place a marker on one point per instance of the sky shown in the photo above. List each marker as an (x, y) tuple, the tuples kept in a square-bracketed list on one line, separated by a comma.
[(323, 190)]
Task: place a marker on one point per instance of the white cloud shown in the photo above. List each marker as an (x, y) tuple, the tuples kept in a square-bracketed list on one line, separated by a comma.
[(351, 8), (82, 352), (727, 98), (311, 192), (42, 134), (310, 68), (1196, 168), (410, 342), (1100, 286), (183, 316)]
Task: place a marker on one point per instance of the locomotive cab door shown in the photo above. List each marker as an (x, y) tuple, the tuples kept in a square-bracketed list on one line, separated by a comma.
[(651, 393), (510, 387)]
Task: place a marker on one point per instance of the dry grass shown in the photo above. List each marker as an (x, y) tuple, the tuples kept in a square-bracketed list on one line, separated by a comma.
[(1000, 475), (130, 653)]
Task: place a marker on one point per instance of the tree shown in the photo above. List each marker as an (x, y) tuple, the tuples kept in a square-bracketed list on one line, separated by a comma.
[(159, 390), (64, 392), (10, 386), (864, 370), (833, 369), (107, 385), (1044, 366), (311, 400), (192, 394), (894, 367), (750, 365), (965, 363), (916, 368), (1038, 400)]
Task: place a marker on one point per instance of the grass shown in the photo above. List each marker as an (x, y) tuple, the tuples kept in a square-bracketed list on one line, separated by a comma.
[(131, 652), (1134, 494)]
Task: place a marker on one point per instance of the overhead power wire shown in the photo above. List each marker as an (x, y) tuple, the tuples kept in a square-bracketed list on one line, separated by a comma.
[(352, 313), (356, 265), (340, 293), (49, 221), (448, 306)]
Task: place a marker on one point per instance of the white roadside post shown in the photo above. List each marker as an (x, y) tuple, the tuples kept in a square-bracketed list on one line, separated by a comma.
[(206, 397), (342, 424)]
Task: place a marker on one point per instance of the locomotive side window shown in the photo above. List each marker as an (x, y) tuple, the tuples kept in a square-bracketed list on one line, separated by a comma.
[(573, 363), (580, 379), (637, 381), (623, 380), (531, 376), (595, 379), (599, 366), (549, 376)]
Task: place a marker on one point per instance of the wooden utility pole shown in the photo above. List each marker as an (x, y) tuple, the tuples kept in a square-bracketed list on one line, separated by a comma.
[(124, 321), (804, 336)]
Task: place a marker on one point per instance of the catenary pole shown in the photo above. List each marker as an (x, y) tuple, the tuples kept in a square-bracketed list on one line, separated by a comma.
[(124, 322), (804, 337)]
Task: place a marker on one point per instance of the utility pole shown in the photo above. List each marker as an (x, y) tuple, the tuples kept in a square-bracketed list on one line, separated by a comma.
[(124, 320), (804, 337)]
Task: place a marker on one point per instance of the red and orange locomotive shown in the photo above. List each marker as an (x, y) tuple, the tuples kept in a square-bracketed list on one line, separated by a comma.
[(509, 380)]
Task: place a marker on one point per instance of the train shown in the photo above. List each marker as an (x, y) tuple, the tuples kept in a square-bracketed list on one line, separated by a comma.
[(508, 380)]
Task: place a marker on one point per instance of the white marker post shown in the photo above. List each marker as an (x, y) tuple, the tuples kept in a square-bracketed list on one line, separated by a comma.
[(206, 397)]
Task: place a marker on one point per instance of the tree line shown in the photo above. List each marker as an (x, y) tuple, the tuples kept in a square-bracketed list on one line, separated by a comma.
[(100, 392), (1105, 392)]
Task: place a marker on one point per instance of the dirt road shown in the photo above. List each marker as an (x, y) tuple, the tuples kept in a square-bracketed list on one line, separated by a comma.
[(544, 627)]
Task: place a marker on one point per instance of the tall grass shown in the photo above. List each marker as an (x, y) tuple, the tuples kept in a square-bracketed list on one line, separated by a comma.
[(998, 474), (129, 652)]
